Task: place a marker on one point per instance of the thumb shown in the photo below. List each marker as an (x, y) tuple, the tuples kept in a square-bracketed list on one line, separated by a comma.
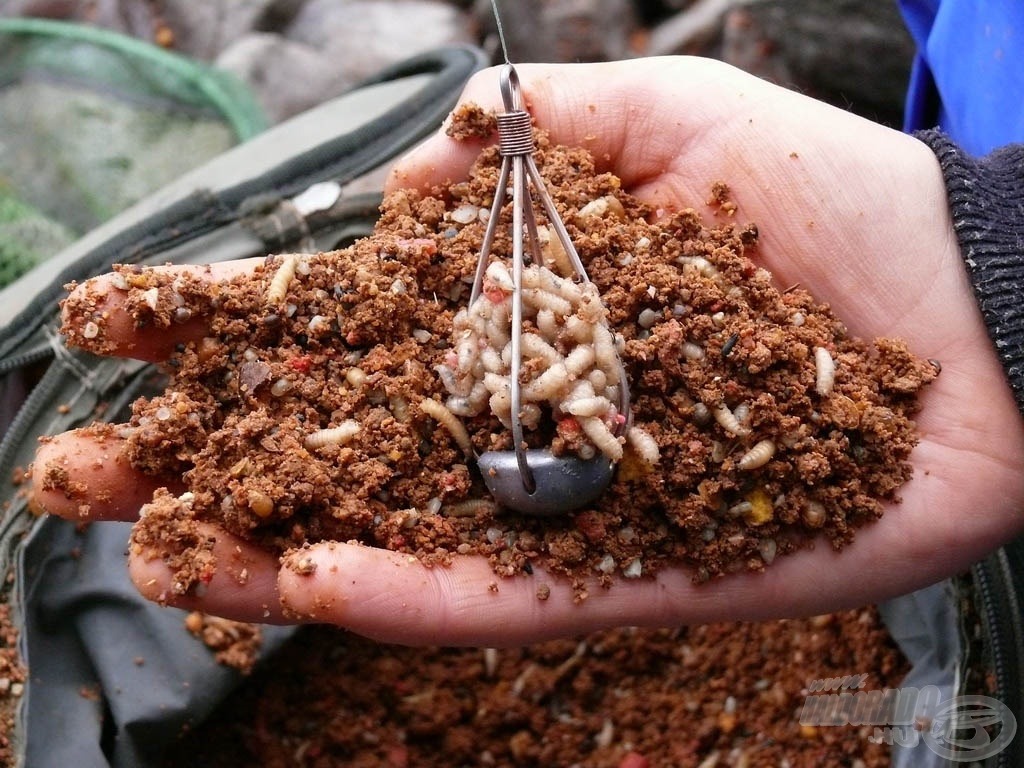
[(438, 160), (607, 108)]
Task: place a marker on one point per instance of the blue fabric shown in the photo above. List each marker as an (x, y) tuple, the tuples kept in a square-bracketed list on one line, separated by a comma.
[(968, 76)]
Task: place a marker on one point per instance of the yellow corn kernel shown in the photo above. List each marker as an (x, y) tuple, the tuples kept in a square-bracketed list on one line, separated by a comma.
[(761, 508)]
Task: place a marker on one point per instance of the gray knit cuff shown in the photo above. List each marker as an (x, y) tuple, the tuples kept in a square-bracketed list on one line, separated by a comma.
[(986, 198)]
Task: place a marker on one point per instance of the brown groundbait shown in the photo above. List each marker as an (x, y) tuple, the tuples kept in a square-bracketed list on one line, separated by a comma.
[(303, 414), (315, 409)]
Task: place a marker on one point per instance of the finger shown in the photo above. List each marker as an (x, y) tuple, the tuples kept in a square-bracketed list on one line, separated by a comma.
[(395, 598), (243, 586), (85, 475), (113, 331)]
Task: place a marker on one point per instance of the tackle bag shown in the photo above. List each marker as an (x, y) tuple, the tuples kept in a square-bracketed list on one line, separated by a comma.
[(112, 679)]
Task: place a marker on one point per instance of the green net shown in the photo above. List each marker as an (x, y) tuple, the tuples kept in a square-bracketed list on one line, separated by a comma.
[(91, 122)]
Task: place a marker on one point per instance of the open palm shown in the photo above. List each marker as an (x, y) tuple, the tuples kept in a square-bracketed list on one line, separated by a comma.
[(854, 212)]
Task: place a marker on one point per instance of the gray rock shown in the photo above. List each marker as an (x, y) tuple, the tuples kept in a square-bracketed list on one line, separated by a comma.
[(855, 53), (697, 30), (129, 17), (204, 29), (851, 53), (561, 30), (199, 28), (286, 76), (363, 36), (48, 9)]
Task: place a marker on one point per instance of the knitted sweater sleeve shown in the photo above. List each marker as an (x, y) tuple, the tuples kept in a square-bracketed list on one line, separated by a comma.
[(986, 198)]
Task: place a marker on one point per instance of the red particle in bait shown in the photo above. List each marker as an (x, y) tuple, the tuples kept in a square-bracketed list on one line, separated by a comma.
[(301, 364), (634, 760), (424, 244), (569, 428), (494, 292)]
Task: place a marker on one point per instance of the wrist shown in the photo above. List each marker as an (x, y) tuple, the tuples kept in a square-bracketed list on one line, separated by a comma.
[(986, 199)]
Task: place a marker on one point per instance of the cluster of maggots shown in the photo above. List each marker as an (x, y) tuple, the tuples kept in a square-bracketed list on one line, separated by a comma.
[(570, 362), (571, 371), (570, 358)]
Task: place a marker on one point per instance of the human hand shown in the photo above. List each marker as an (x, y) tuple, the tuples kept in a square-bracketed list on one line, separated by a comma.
[(854, 212)]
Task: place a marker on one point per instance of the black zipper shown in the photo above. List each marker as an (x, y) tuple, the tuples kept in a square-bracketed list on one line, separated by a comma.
[(24, 421), (42, 350), (997, 582)]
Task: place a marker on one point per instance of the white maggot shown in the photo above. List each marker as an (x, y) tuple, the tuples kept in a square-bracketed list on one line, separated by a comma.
[(825, 371), (548, 385), (757, 456), (727, 420), (579, 360), (588, 406), (339, 435), (601, 436), (282, 279), (645, 446), (440, 413), (533, 345), (539, 299)]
